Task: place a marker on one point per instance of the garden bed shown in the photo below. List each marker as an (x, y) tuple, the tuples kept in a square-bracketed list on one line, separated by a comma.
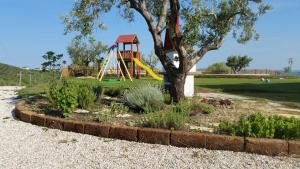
[(145, 105), (161, 136)]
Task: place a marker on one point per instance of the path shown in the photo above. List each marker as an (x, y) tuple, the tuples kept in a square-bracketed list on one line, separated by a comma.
[(24, 145)]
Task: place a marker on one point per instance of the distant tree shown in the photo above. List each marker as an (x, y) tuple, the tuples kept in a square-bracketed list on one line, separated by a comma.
[(52, 61), (218, 68), (85, 53), (237, 63), (288, 69), (151, 61)]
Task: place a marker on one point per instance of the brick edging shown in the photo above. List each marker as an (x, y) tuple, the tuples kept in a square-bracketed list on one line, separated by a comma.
[(262, 146)]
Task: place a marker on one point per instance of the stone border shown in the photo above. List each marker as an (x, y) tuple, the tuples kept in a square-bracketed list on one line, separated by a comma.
[(271, 147)]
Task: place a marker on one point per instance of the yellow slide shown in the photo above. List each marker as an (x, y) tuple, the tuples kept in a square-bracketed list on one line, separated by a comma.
[(150, 72)]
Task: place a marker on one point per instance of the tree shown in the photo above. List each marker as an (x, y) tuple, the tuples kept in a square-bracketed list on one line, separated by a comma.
[(288, 69), (237, 63), (85, 53), (218, 68), (205, 24), (151, 61), (52, 61)]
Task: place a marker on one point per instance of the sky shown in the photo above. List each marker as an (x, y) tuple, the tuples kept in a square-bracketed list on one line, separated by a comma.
[(30, 28)]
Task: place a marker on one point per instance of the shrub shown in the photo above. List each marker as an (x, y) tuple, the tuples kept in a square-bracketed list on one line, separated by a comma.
[(64, 96), (146, 97), (167, 119), (67, 95), (218, 68), (86, 96), (257, 125)]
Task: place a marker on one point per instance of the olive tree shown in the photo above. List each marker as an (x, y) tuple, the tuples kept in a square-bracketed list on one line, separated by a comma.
[(84, 53), (205, 24), (237, 63)]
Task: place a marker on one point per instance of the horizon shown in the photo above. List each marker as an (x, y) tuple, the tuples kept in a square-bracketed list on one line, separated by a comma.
[(26, 36)]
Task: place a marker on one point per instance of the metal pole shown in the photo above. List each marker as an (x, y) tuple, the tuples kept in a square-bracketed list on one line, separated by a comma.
[(30, 79), (20, 80)]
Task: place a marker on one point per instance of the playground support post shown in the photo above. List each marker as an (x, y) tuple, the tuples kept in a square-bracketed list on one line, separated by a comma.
[(125, 65), (105, 66)]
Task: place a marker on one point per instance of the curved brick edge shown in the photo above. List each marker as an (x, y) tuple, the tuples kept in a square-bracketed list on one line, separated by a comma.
[(271, 147)]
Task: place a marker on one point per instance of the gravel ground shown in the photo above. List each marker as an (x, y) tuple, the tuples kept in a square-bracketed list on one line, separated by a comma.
[(24, 145)]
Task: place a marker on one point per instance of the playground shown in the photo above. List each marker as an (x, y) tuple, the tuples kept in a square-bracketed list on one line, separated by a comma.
[(122, 62)]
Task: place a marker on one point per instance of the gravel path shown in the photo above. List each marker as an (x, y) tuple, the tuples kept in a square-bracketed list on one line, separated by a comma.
[(24, 145)]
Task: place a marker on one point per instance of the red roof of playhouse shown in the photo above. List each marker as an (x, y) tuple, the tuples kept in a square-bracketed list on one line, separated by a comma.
[(168, 44), (128, 39)]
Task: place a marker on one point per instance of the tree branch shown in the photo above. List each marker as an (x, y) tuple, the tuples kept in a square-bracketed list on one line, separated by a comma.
[(200, 54), (141, 8), (163, 15)]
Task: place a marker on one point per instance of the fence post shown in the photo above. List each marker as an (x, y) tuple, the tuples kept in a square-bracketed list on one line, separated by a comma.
[(30, 79), (20, 79)]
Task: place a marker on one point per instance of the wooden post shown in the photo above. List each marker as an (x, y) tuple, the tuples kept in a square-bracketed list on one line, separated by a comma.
[(139, 57), (118, 68), (131, 60)]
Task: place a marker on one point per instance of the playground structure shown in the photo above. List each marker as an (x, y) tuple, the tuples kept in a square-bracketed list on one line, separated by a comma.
[(127, 61), (128, 55)]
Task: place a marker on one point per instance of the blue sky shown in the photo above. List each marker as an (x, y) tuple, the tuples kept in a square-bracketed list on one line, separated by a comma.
[(29, 28)]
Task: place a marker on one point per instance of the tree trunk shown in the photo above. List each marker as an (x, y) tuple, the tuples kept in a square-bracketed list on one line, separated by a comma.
[(177, 86)]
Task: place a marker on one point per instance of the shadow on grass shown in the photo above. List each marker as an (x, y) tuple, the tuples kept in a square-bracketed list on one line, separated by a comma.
[(283, 92)]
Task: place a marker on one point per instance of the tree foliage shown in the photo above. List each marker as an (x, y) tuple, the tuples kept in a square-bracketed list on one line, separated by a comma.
[(237, 63), (218, 68), (85, 53), (151, 61), (52, 61), (204, 26)]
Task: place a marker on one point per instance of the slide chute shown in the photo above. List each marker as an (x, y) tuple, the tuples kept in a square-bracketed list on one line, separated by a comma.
[(148, 70)]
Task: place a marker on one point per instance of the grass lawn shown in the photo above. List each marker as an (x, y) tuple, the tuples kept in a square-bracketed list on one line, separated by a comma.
[(282, 90)]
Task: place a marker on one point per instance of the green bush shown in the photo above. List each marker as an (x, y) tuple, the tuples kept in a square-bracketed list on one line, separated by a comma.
[(69, 94), (218, 68), (64, 96), (146, 97), (86, 96), (257, 125), (167, 119)]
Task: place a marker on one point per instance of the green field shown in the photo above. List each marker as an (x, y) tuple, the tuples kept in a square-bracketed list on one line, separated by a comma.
[(10, 76), (283, 90)]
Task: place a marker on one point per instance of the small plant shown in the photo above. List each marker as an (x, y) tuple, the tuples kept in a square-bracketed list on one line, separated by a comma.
[(64, 96), (146, 97), (198, 107), (174, 118), (118, 108), (86, 96), (257, 125)]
